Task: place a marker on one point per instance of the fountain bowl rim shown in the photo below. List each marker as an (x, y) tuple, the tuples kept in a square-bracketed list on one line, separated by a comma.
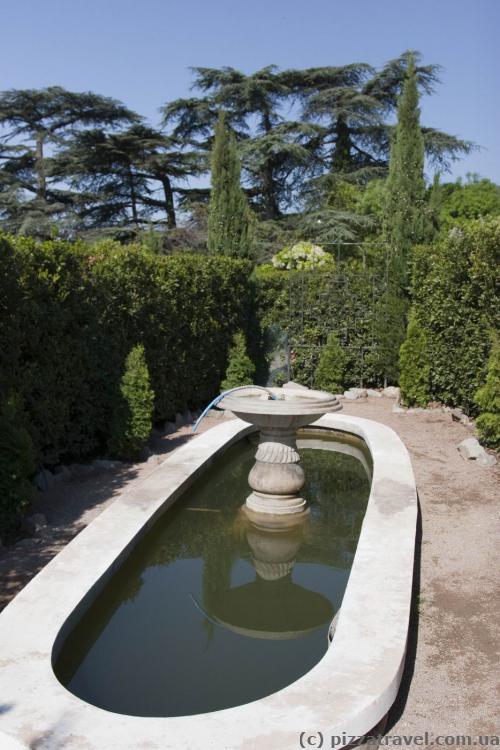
[(294, 402)]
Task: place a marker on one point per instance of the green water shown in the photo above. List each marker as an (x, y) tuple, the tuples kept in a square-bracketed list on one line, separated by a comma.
[(208, 611)]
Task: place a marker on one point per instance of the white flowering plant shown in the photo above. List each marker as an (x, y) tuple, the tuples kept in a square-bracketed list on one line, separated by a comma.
[(302, 256)]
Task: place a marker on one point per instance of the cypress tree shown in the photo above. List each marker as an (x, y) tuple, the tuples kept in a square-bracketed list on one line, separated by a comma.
[(230, 225), (405, 222), (405, 211)]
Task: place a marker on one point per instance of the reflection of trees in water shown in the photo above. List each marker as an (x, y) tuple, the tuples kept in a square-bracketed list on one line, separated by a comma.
[(337, 490), (218, 557)]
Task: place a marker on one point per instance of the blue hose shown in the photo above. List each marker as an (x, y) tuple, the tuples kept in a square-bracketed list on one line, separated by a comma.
[(223, 394)]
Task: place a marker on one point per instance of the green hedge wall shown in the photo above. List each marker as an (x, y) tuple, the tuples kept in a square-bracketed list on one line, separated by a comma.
[(455, 290), (70, 314)]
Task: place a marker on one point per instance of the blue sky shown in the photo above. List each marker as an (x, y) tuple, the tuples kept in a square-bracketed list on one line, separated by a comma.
[(140, 51)]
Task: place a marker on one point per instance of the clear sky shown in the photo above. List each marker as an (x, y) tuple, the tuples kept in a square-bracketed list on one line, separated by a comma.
[(140, 51)]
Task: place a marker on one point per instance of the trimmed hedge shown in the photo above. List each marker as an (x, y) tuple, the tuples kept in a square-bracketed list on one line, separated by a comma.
[(455, 289), (71, 314)]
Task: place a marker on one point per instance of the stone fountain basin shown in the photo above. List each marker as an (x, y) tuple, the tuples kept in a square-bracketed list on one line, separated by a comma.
[(346, 694), (292, 408)]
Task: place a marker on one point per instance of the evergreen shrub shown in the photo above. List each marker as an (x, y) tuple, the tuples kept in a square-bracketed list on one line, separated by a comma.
[(488, 400), (17, 465), (329, 373), (133, 414), (414, 365), (240, 369)]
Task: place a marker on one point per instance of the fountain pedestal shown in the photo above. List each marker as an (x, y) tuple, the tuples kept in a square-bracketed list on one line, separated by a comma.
[(277, 477)]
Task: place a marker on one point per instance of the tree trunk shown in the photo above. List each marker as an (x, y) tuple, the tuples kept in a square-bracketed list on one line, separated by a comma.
[(271, 205), (169, 202), (341, 157), (133, 197), (39, 167)]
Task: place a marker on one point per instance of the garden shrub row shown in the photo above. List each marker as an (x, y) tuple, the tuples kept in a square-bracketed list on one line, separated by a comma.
[(455, 292), (71, 313)]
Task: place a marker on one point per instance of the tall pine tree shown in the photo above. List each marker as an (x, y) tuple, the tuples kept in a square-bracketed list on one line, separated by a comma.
[(230, 225)]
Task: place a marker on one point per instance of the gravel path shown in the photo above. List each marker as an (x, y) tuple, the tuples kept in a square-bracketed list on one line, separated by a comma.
[(450, 685), (451, 681)]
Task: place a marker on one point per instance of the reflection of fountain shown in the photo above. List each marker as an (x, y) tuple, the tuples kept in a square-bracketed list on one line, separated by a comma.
[(272, 606), (277, 476), (274, 552)]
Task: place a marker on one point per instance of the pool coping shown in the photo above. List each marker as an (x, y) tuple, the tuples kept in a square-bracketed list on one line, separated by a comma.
[(346, 694)]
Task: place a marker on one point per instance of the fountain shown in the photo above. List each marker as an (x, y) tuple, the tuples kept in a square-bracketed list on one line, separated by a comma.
[(118, 600), (277, 477)]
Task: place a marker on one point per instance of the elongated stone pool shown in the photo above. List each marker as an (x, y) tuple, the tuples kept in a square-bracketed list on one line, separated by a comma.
[(210, 611)]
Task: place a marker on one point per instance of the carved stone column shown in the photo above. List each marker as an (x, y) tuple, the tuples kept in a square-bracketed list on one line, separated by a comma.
[(277, 476)]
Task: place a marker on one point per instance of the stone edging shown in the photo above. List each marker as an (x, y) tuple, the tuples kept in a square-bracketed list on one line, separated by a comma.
[(348, 691)]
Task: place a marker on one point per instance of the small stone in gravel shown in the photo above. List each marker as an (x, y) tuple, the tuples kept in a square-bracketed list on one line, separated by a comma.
[(486, 459), (31, 542), (33, 524), (354, 393), (79, 470), (458, 416), (391, 391), (105, 463), (61, 473), (44, 479), (470, 448), (46, 533)]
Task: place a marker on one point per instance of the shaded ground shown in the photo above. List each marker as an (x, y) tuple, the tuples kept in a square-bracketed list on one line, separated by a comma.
[(72, 505), (450, 685)]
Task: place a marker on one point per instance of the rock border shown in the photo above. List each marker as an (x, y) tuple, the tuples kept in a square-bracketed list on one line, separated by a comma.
[(350, 689)]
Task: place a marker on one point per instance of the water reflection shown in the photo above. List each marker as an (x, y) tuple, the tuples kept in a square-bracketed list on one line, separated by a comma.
[(271, 606), (210, 610)]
